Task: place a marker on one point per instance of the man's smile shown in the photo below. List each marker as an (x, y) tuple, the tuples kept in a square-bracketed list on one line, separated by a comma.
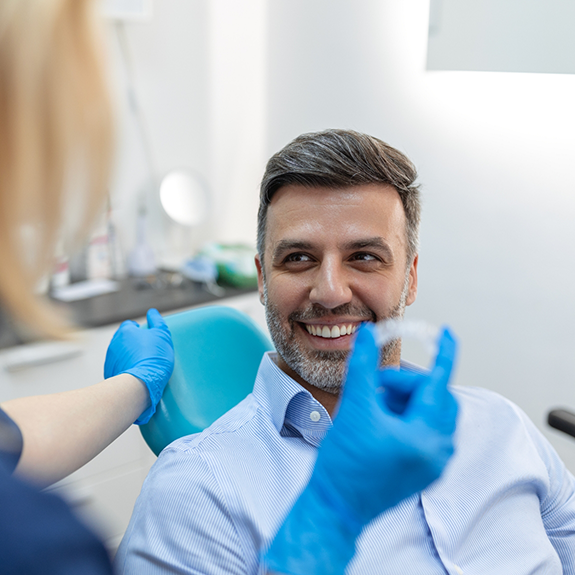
[(331, 331)]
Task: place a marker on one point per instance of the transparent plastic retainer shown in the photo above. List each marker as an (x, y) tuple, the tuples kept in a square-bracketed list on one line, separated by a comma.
[(389, 329)]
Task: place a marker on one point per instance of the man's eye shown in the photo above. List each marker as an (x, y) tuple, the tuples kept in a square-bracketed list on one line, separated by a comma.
[(364, 257), (297, 258)]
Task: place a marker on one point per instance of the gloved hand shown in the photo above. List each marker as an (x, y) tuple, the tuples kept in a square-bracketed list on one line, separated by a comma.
[(147, 354), (385, 445)]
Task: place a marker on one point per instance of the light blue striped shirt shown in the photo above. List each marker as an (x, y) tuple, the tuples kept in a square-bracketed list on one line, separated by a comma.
[(213, 501)]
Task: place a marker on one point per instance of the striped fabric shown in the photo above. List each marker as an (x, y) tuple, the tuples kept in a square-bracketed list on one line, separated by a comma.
[(212, 501)]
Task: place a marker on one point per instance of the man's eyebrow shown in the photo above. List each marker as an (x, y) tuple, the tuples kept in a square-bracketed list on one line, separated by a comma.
[(376, 242), (287, 245)]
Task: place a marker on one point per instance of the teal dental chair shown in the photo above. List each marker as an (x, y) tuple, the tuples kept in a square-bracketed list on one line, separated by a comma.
[(217, 354)]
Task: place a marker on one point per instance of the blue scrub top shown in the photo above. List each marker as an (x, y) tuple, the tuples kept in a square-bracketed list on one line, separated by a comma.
[(38, 532)]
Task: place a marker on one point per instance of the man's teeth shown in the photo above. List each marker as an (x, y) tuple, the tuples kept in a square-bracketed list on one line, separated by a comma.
[(331, 332)]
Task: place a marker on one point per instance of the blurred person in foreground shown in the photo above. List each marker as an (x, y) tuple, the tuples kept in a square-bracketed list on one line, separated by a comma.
[(338, 247), (55, 152)]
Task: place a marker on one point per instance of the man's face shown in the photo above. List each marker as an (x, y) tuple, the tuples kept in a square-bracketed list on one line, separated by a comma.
[(333, 259)]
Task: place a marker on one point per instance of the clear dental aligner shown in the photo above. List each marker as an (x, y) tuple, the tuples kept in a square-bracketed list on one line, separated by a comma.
[(389, 329)]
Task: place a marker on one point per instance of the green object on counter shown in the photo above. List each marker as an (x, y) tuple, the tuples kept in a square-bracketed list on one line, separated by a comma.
[(235, 264)]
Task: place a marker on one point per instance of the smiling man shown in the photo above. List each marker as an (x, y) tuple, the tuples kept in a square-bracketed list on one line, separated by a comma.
[(337, 246), (328, 262)]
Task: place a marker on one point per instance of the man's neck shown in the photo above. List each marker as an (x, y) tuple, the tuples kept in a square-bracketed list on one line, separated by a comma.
[(328, 400)]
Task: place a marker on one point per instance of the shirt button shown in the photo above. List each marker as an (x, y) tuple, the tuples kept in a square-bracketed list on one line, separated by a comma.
[(458, 569), (315, 416)]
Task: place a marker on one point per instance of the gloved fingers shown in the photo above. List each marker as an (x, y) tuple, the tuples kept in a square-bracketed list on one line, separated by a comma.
[(439, 413), (155, 319), (441, 373), (116, 341), (362, 366), (394, 378), (446, 354), (396, 386), (127, 324), (435, 390), (432, 400)]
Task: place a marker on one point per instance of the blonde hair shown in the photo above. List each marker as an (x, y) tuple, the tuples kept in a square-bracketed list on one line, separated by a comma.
[(55, 125)]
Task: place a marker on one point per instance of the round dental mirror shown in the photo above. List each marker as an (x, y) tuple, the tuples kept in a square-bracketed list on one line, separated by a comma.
[(184, 197)]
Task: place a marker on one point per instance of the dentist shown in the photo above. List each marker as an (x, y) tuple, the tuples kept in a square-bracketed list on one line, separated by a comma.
[(55, 152)]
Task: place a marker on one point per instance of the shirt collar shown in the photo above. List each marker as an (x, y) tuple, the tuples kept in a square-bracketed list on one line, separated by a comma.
[(288, 403)]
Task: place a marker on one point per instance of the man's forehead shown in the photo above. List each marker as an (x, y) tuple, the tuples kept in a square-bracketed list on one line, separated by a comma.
[(375, 207), (318, 194)]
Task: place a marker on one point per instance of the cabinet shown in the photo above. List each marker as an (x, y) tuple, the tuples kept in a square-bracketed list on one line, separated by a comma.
[(103, 491)]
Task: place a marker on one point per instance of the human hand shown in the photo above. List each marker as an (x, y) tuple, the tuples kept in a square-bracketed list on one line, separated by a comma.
[(391, 438), (147, 354), (393, 433)]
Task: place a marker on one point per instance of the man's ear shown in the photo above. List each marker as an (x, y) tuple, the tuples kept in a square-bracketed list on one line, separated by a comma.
[(412, 290), (260, 278)]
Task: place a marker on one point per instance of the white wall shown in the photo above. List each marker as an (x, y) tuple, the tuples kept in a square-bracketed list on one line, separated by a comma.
[(502, 35), (495, 155)]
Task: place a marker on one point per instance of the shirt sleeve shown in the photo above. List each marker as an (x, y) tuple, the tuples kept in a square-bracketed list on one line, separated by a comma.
[(181, 523), (11, 442), (558, 504)]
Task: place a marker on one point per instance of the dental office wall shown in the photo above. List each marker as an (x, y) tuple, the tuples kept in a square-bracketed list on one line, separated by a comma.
[(224, 84)]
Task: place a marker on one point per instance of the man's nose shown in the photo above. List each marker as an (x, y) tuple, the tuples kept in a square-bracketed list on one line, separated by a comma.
[(330, 286)]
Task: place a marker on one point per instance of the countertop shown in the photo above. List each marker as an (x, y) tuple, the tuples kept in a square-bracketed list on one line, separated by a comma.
[(132, 301)]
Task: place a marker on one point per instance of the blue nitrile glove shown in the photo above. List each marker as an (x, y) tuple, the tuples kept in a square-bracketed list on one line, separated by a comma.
[(147, 354), (371, 459)]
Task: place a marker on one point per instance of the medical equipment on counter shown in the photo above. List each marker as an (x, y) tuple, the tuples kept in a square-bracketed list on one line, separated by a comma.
[(235, 263), (141, 261)]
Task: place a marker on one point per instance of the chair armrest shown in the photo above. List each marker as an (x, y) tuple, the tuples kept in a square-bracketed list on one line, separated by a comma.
[(563, 420)]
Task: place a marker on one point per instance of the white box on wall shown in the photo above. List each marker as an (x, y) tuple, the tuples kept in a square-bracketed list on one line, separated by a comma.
[(128, 9)]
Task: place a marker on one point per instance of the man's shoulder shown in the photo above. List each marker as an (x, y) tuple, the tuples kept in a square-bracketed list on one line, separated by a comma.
[(240, 462), (234, 425), (193, 461), (226, 455), (478, 403), (485, 416), (480, 395), (190, 490)]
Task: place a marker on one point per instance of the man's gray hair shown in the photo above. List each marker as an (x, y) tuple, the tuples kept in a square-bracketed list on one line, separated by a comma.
[(340, 159)]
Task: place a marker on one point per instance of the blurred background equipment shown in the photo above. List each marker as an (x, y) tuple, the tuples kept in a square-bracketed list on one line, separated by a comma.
[(184, 197)]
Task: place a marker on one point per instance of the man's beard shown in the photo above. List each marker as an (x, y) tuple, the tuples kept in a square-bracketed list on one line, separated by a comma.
[(325, 370)]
